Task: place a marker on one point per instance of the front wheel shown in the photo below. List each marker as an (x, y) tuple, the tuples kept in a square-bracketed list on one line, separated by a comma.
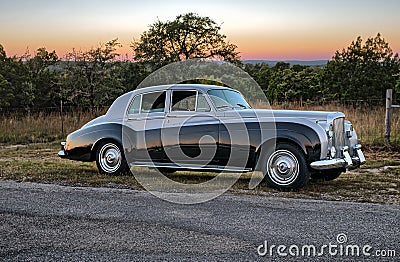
[(110, 159), (286, 167)]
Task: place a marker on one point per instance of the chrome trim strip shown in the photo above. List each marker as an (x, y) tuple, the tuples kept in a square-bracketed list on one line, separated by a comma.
[(192, 167), (197, 96)]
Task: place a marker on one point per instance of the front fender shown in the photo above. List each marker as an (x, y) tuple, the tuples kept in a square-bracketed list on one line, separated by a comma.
[(307, 135)]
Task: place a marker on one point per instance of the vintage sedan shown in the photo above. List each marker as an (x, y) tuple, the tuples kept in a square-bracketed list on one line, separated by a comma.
[(205, 127)]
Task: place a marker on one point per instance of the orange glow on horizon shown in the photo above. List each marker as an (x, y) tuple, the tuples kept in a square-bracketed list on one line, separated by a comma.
[(247, 50)]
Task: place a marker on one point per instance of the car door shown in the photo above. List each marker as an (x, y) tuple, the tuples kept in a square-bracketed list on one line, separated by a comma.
[(146, 115), (190, 132), (237, 133)]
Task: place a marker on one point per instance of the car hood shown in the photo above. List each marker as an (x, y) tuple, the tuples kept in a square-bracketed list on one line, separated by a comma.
[(310, 115)]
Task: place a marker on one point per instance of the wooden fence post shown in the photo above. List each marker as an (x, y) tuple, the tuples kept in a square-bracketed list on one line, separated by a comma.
[(62, 118), (388, 115)]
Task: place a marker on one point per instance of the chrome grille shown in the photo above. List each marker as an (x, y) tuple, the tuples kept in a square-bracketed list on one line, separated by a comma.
[(339, 135)]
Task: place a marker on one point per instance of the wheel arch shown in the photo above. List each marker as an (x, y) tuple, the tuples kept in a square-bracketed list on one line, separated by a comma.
[(273, 142), (100, 141), (104, 132)]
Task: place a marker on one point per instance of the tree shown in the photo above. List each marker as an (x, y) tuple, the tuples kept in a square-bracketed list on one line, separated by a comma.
[(362, 71), (3, 55), (45, 80), (397, 88), (132, 73), (188, 36), (42, 60), (16, 86), (92, 78), (262, 74), (6, 88), (6, 92)]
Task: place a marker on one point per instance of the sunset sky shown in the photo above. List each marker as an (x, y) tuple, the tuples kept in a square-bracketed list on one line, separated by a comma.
[(272, 30)]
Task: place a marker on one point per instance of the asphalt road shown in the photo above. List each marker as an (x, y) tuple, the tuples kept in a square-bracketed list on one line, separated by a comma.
[(52, 222)]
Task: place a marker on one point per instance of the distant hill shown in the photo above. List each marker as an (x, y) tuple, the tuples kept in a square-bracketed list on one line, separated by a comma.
[(291, 62)]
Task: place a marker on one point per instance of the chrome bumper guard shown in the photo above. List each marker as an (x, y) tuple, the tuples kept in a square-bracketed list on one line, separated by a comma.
[(62, 153), (346, 162)]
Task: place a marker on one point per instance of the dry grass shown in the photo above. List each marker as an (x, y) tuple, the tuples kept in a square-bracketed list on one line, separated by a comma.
[(41, 127)]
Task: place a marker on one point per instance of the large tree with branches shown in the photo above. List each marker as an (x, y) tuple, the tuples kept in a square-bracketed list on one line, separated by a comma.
[(188, 36)]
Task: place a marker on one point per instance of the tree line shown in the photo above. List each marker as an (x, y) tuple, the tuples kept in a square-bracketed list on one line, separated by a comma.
[(362, 71)]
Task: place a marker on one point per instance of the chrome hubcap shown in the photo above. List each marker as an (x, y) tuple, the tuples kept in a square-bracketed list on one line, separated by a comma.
[(282, 167), (110, 157)]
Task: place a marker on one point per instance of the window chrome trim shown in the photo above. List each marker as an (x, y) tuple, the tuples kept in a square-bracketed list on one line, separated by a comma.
[(195, 102)]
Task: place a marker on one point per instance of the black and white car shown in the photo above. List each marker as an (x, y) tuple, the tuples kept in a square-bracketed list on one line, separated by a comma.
[(168, 127)]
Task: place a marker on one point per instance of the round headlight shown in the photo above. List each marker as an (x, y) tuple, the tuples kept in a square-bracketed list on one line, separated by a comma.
[(333, 152)]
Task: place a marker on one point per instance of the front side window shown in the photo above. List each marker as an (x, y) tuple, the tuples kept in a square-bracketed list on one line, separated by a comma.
[(184, 100)]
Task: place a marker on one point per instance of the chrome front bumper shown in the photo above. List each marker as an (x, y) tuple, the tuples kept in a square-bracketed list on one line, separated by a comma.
[(346, 162)]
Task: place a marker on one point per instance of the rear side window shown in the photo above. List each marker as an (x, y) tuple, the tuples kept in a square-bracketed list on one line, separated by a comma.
[(148, 103), (153, 102)]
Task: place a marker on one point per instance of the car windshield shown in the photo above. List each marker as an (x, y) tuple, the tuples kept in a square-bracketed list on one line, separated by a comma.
[(227, 99)]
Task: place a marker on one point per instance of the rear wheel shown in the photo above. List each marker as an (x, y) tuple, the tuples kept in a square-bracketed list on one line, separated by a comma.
[(286, 167), (110, 159)]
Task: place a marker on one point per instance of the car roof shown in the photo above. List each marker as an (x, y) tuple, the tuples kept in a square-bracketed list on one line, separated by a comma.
[(119, 105), (179, 86)]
